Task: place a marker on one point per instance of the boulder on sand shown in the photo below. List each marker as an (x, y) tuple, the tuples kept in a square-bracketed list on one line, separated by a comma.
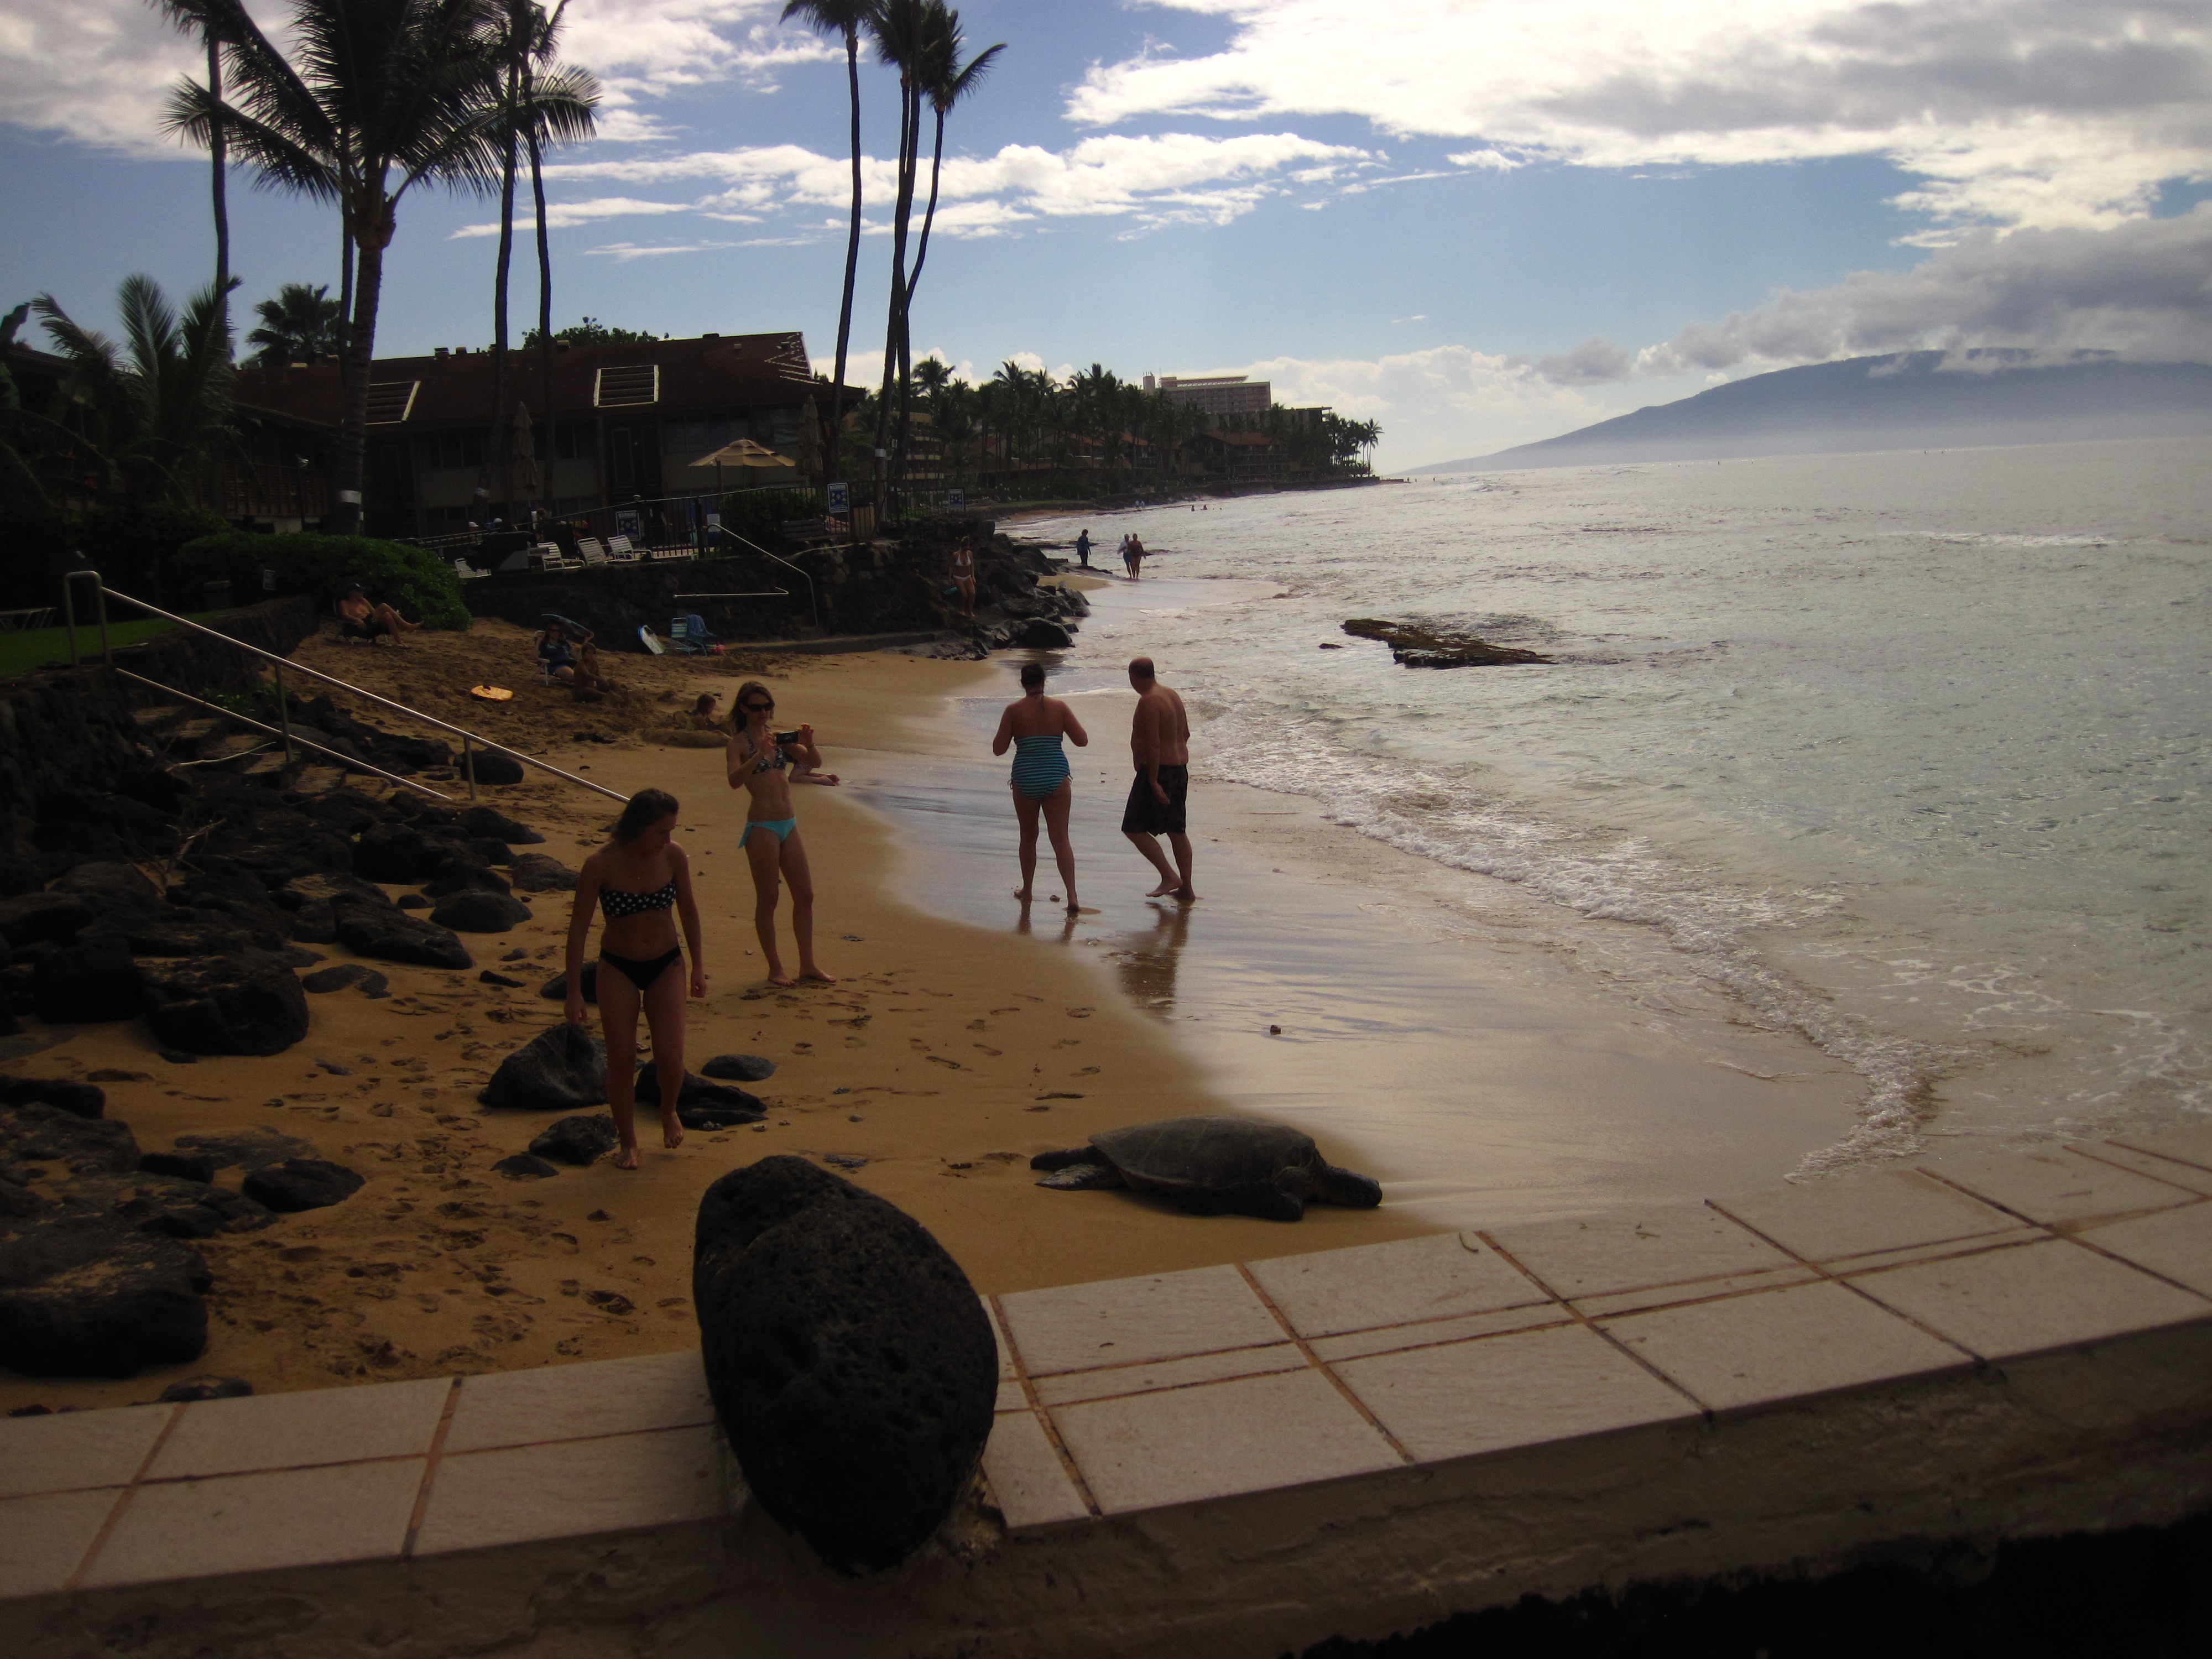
[(555, 989), (563, 1068), (525, 1166), (388, 853), (739, 1068), (245, 1149), (324, 980), (490, 821), (302, 1184), (850, 1363), (84, 1099), (49, 1134), (700, 1105), (34, 918), (495, 766), (472, 910), (461, 871), (538, 872), (78, 1297), (249, 1003), (585, 1139), (90, 981), (392, 935)]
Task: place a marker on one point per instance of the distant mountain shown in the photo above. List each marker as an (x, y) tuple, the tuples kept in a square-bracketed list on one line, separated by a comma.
[(1908, 400)]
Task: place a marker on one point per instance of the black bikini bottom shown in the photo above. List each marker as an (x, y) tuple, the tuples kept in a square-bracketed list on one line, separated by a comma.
[(641, 974)]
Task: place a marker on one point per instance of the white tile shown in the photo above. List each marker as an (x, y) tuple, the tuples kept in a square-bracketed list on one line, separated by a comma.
[(1068, 1387), (2003, 1303), (1394, 1284), (43, 1538), (1028, 1481), (1857, 1215), (1121, 1322), (1617, 1303), (2188, 1143), (2055, 1185), (1507, 1391), (575, 1489), (1224, 1438), (2172, 1170), (574, 1402), (1632, 1249), (2175, 1242), (1779, 1345), (2021, 1233), (71, 1451), (1006, 1371), (1357, 1344), (301, 1430), (255, 1523)]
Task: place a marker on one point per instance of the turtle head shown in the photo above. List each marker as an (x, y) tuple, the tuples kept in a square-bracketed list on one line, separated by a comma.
[(1333, 1185)]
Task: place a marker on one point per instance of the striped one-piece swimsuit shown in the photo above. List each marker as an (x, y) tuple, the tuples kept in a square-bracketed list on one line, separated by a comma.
[(1039, 765)]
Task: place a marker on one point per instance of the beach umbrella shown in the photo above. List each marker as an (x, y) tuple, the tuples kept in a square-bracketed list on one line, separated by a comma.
[(522, 458), (743, 453)]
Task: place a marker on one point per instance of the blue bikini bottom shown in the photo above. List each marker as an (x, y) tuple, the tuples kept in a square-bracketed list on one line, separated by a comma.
[(782, 829)]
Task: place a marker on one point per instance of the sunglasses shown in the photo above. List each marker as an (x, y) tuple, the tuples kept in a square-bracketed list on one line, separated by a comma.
[(758, 708)]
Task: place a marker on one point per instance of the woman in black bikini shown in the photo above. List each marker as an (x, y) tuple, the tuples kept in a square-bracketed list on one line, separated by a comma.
[(636, 877)]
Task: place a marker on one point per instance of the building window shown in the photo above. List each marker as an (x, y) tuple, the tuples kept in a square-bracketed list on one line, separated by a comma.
[(439, 451)]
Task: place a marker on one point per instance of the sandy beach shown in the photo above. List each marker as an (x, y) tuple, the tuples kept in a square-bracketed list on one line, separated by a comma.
[(1408, 1036)]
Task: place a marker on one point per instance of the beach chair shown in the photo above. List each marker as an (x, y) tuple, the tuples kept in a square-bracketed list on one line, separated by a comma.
[(688, 635), (548, 556), (620, 551), (467, 572), (595, 556)]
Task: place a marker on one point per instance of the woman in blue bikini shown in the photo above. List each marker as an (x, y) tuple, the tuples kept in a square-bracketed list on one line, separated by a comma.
[(759, 760), (638, 878), (1033, 728)]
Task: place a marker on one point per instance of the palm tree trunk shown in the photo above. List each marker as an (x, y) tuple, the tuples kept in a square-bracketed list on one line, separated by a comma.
[(345, 303), (920, 253), (928, 218), (222, 202), (495, 476), (360, 351), (852, 255), (902, 212), (545, 316)]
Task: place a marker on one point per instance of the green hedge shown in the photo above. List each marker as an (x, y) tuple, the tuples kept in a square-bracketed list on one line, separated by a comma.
[(759, 515), (417, 583)]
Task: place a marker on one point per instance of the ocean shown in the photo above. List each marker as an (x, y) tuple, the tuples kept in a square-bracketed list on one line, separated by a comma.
[(1904, 755)]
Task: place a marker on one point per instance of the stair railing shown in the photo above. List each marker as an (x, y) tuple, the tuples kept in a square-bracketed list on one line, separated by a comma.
[(813, 600), (470, 740)]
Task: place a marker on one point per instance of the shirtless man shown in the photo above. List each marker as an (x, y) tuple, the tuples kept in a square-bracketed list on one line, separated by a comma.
[(1159, 744), (368, 620)]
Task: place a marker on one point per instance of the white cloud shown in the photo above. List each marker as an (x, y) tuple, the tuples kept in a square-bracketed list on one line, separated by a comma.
[(563, 216), (2143, 289), (2016, 112)]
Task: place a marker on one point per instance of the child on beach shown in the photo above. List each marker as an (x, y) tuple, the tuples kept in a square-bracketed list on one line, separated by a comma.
[(1043, 780), (637, 877), (759, 759), (704, 717)]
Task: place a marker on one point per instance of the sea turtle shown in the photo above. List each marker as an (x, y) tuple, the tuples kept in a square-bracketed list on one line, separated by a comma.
[(1213, 1166)]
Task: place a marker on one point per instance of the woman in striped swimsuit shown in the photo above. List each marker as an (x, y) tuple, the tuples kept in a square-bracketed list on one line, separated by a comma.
[(1033, 728), (638, 878)]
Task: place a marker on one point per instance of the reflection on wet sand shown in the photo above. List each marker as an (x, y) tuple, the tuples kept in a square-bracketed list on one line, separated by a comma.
[(1145, 963)]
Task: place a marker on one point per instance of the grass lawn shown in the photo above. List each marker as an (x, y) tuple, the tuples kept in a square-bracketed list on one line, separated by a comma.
[(21, 653)]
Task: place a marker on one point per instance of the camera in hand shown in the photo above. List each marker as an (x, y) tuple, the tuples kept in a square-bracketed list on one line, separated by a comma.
[(786, 737)]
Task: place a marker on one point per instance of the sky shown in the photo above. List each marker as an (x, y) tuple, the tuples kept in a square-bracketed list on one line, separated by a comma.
[(1477, 222)]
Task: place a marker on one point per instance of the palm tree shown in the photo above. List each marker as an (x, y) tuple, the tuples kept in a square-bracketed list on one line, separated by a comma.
[(151, 415), (847, 18), (946, 81), (206, 22), (300, 326), (387, 94), (902, 31)]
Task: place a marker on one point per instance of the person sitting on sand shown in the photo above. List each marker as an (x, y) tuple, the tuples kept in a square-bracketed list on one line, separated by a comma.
[(1043, 780), (704, 716), (637, 879), (759, 760), (554, 654), (358, 618), (586, 679)]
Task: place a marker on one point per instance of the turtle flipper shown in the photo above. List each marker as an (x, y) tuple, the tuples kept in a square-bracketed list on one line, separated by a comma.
[(1082, 1178), (1066, 1155)]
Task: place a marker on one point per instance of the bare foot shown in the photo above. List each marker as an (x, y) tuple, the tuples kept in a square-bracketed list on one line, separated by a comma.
[(817, 977), (1162, 890), (1022, 894), (672, 1130), (628, 1160), (1184, 896), (778, 977)]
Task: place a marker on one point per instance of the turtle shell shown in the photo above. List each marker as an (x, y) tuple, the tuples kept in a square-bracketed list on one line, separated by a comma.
[(1205, 1152)]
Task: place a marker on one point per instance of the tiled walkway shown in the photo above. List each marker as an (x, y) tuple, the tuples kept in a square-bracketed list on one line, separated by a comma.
[(1134, 1398)]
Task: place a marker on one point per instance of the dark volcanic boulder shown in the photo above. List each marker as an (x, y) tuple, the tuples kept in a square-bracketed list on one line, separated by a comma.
[(392, 935), (474, 911), (324, 980), (302, 1184), (84, 1099), (459, 872), (525, 1166), (851, 1365), (245, 1149), (538, 872), (205, 1387), (47, 1134), (29, 918), (560, 1069), (246, 1004), (184, 1166), (700, 1104), (496, 766), (490, 821), (183, 1209), (168, 930), (79, 1297), (1043, 635), (585, 1139), (100, 885), (92, 980), (388, 852), (739, 1068), (555, 989)]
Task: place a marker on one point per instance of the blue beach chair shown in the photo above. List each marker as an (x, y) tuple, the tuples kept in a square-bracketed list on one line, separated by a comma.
[(688, 634)]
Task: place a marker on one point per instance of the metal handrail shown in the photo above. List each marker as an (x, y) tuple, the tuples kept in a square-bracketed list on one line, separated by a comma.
[(289, 740), (813, 600), (284, 709)]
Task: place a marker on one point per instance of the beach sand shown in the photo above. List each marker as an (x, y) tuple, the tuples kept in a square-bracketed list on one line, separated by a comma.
[(1478, 1082)]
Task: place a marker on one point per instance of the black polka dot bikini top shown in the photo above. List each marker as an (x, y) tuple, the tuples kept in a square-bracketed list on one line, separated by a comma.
[(617, 902)]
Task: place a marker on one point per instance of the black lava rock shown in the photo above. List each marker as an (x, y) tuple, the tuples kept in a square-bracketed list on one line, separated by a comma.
[(561, 1069), (92, 980), (555, 989), (700, 1104), (245, 1149), (739, 1068), (490, 850), (184, 1209), (17, 1200), (324, 980), (496, 766), (459, 872), (302, 1183), (47, 1134), (850, 1363), (415, 901), (184, 1166), (1043, 635), (388, 853), (205, 1387), (538, 872), (83, 1099), (473, 911), (488, 977), (524, 1166), (79, 1297), (585, 1139), (490, 821), (392, 936), (248, 1004), (101, 884)]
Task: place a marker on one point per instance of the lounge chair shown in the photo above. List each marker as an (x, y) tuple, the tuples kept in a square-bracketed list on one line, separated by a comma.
[(595, 556), (620, 551), (467, 572), (688, 635)]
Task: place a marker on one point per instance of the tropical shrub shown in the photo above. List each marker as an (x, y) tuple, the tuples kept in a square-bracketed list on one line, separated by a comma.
[(759, 515), (420, 585)]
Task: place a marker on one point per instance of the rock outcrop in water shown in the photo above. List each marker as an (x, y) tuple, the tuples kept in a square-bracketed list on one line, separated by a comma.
[(1415, 647)]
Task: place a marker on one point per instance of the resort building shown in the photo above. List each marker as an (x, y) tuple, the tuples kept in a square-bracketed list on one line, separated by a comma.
[(630, 423), (1216, 394)]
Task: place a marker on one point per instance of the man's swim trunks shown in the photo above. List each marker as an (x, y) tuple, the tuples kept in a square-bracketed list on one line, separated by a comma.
[(1145, 815)]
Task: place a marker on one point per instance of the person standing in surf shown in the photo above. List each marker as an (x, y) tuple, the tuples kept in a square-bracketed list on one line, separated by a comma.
[(759, 760), (1041, 781), (638, 878), (1159, 743)]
